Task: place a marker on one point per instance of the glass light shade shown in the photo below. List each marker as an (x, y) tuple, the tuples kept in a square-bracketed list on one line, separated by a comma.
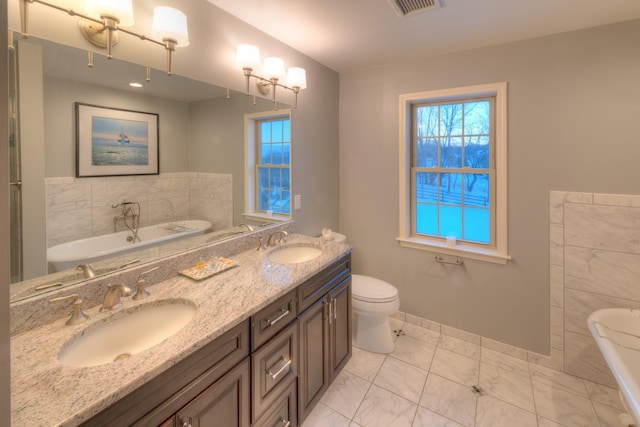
[(170, 23), (120, 9), (273, 68), (297, 76), (247, 56)]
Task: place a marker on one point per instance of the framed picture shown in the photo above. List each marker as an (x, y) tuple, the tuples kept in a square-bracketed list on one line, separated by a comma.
[(112, 141)]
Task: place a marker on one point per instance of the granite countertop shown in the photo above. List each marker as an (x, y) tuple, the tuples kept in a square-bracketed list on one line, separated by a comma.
[(46, 393)]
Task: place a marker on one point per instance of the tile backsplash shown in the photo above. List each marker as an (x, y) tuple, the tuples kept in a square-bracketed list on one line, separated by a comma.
[(78, 208), (595, 263)]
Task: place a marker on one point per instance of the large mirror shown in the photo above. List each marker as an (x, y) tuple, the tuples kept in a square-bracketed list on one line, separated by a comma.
[(201, 162)]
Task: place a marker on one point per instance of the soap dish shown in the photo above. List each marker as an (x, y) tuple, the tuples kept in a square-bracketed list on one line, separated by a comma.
[(206, 269)]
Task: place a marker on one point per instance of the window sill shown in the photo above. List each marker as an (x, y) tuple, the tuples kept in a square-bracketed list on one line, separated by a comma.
[(273, 218), (459, 250)]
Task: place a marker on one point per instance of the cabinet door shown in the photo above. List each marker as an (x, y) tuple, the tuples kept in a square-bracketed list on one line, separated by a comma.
[(224, 403), (313, 378), (340, 325)]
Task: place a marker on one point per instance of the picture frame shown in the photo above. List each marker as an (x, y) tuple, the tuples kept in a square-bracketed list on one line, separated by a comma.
[(116, 142)]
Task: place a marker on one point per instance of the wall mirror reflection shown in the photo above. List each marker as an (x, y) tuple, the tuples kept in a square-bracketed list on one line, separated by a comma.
[(197, 198)]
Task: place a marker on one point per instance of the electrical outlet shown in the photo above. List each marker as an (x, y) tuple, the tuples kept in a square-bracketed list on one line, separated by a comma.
[(297, 201)]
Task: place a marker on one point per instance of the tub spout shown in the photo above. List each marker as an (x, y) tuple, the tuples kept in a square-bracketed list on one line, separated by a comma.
[(87, 270)]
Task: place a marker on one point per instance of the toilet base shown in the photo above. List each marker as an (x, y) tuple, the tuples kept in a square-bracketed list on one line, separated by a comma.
[(372, 333)]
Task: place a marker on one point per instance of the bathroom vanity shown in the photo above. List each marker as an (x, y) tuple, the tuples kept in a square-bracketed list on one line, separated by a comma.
[(266, 341)]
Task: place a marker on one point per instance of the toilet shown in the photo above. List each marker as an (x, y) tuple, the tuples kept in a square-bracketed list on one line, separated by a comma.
[(373, 301)]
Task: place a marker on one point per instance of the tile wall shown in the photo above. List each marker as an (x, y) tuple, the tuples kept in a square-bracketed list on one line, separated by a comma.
[(595, 263), (78, 208)]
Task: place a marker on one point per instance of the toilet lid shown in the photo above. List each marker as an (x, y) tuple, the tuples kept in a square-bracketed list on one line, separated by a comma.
[(370, 289)]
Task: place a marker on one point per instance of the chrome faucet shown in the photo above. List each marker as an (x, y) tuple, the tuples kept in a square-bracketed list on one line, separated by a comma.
[(141, 292), (112, 296), (77, 316), (128, 215), (277, 237), (87, 270), (247, 226)]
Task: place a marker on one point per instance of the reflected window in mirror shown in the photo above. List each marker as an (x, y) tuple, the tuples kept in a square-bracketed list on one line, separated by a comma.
[(268, 151)]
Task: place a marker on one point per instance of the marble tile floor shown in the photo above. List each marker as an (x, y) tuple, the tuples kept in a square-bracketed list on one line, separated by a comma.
[(427, 382)]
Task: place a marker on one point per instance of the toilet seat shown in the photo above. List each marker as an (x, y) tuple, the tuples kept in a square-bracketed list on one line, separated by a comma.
[(372, 290)]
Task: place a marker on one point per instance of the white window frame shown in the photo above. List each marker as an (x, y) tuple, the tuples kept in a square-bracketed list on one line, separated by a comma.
[(497, 254), (250, 161)]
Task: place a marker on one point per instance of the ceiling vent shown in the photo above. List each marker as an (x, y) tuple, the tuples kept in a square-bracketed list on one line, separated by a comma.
[(409, 7)]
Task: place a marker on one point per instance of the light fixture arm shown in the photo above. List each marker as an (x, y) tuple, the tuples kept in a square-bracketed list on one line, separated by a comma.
[(264, 85), (109, 24)]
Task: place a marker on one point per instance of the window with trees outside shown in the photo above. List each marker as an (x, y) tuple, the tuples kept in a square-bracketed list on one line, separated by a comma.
[(273, 171), (268, 165), (454, 177)]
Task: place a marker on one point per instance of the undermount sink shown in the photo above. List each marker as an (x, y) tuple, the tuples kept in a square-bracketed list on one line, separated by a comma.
[(617, 333), (137, 330), (294, 253)]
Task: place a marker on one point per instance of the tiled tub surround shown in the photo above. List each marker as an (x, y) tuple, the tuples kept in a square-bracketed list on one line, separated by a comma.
[(81, 207), (595, 263), (46, 393)]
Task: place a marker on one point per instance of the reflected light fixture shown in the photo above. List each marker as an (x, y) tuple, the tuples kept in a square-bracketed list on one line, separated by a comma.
[(248, 58), (105, 19)]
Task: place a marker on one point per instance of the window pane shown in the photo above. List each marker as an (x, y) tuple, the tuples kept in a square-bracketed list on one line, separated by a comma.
[(286, 183), (476, 190), (276, 154), (451, 119), (476, 118), (476, 225), (265, 154), (286, 153), (426, 152), (275, 179), (276, 131), (451, 152), (263, 199), (426, 187), (427, 219), (476, 152), (427, 121), (451, 221), (265, 132), (285, 205), (263, 178), (451, 188)]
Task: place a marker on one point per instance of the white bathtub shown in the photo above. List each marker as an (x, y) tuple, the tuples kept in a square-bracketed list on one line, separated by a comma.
[(71, 254)]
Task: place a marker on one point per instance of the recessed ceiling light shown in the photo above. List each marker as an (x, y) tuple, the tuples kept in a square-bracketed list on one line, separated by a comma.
[(135, 84)]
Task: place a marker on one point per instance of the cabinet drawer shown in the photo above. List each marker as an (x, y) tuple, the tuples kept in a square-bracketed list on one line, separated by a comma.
[(272, 319), (316, 287), (274, 368), (284, 411)]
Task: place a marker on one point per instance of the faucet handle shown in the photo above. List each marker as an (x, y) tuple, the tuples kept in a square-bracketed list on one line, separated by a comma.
[(77, 315), (141, 292)]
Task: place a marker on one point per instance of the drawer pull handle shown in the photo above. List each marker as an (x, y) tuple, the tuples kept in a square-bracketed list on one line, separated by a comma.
[(285, 366), (285, 423), (279, 318)]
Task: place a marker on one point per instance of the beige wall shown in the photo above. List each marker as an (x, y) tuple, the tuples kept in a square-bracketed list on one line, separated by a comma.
[(572, 114)]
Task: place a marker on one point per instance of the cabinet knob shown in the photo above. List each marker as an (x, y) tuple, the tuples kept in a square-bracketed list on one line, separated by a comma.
[(185, 423)]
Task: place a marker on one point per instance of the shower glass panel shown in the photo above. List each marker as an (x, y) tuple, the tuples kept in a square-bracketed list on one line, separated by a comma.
[(15, 176)]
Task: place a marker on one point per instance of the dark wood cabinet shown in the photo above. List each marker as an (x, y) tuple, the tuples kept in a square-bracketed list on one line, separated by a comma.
[(325, 333), (224, 403), (269, 370)]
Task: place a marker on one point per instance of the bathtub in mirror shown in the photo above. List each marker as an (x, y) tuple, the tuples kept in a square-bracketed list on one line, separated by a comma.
[(201, 133)]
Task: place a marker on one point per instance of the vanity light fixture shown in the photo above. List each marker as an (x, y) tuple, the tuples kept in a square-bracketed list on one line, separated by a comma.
[(105, 19), (248, 58)]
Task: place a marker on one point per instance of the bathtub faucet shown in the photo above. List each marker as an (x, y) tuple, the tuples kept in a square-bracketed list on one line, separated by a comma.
[(130, 217)]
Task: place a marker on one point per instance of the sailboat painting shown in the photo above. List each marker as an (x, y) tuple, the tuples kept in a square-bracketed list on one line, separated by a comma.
[(119, 141)]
